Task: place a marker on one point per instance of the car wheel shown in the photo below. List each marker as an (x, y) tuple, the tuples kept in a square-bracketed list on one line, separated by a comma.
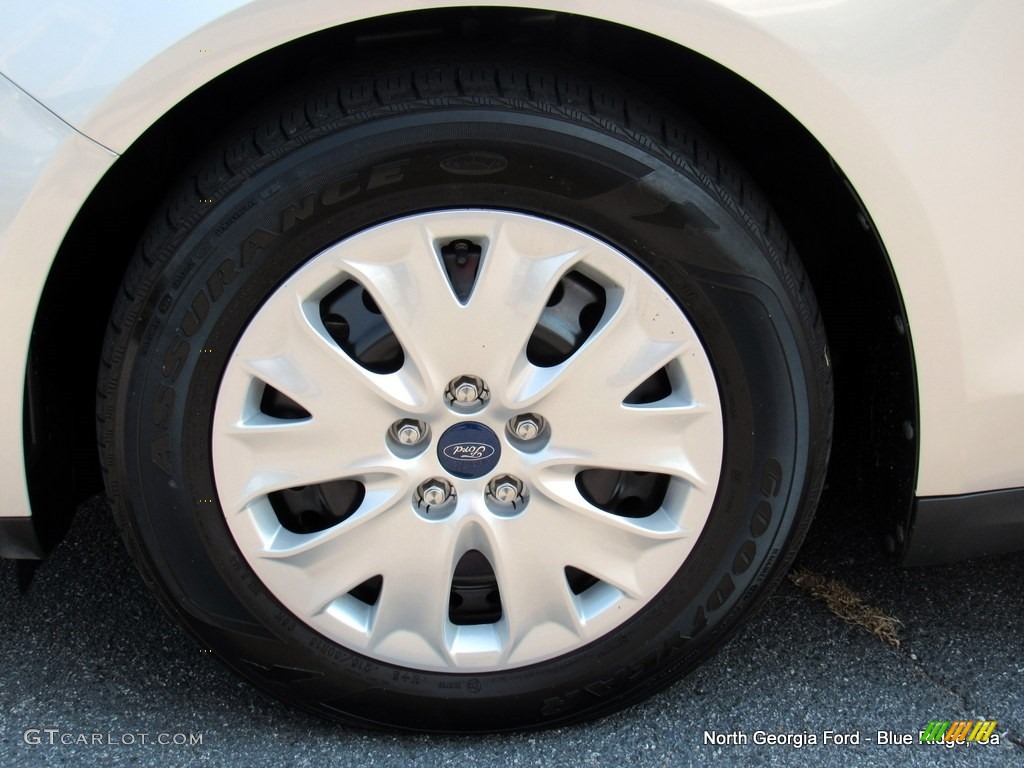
[(464, 398)]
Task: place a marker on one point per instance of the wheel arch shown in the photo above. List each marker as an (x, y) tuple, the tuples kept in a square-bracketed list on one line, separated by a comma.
[(876, 395)]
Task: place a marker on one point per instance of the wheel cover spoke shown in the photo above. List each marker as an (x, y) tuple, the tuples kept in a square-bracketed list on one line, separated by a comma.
[(570, 558), (408, 282)]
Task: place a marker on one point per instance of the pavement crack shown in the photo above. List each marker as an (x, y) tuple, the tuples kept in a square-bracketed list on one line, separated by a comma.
[(965, 702)]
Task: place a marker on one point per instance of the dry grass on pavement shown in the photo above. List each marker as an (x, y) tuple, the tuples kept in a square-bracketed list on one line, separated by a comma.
[(847, 605)]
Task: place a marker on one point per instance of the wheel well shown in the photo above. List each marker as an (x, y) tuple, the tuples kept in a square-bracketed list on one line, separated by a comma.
[(874, 449)]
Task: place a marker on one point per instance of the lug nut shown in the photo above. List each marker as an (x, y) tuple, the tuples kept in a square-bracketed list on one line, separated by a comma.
[(506, 492), (467, 391), (434, 495), (434, 492), (408, 431), (409, 434), (506, 489), (526, 426)]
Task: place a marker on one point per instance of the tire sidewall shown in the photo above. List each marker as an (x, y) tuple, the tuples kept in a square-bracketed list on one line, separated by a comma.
[(641, 198)]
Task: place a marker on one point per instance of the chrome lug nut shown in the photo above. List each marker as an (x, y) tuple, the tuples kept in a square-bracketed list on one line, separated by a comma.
[(434, 492), (506, 492), (467, 391), (506, 489), (408, 431), (408, 436), (526, 426)]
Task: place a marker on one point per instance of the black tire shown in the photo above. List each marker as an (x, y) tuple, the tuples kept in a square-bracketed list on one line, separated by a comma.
[(340, 159)]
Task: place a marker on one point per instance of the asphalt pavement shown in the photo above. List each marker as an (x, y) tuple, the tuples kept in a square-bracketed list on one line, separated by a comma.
[(95, 673)]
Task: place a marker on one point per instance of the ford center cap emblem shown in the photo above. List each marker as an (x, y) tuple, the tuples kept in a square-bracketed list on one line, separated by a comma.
[(468, 450)]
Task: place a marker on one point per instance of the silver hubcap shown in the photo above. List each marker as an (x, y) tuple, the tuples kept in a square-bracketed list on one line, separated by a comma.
[(326, 460)]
